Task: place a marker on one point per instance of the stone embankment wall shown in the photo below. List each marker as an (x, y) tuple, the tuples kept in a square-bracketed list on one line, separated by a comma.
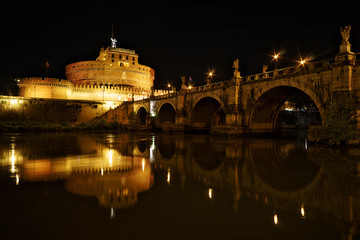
[(50, 110), (122, 114)]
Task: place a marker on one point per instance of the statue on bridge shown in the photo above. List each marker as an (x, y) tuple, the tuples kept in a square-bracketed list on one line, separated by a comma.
[(345, 33), (183, 83), (236, 69), (265, 68), (345, 47)]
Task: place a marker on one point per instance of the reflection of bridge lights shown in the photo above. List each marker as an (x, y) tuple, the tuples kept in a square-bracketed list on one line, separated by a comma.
[(112, 212), (210, 193), (13, 169), (152, 149), (302, 211), (143, 164), (276, 220), (17, 179), (168, 176), (110, 157)]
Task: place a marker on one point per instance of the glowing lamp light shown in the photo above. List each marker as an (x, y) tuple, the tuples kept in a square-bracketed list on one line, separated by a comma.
[(276, 56), (276, 220), (168, 176), (190, 87), (302, 211), (210, 193), (302, 61)]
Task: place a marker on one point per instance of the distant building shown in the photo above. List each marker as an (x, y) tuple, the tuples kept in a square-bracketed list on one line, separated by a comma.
[(115, 75)]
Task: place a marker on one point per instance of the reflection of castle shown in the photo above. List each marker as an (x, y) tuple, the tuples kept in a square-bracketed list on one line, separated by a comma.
[(115, 75), (95, 168), (116, 189)]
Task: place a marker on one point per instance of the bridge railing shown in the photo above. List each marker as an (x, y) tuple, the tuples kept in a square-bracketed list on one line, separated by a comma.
[(308, 66), (297, 69)]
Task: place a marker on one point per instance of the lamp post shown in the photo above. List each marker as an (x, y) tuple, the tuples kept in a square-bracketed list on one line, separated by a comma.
[(276, 56), (302, 63), (209, 78)]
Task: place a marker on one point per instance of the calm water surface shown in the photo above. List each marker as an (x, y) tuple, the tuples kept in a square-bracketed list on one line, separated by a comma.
[(160, 186)]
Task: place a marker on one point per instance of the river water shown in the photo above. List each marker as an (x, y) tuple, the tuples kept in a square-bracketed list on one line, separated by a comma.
[(161, 186)]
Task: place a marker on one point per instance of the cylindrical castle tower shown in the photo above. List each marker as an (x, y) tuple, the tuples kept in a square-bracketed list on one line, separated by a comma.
[(114, 67)]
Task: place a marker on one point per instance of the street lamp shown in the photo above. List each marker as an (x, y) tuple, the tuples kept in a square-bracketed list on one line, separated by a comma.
[(276, 56), (209, 78)]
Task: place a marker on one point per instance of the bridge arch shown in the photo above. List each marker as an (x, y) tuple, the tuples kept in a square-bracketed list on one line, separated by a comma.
[(166, 114), (207, 111), (268, 101), (141, 116)]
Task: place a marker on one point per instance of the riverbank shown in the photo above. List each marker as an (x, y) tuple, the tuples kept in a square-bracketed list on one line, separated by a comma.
[(25, 126)]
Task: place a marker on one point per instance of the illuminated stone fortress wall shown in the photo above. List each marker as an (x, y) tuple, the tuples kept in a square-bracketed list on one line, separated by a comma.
[(115, 75), (113, 67)]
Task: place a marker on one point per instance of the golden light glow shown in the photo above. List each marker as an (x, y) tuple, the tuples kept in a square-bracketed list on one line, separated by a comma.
[(302, 211), (190, 87), (143, 164), (13, 169), (276, 220), (302, 61), (13, 101), (168, 176), (210, 193), (17, 179), (276, 56), (110, 157)]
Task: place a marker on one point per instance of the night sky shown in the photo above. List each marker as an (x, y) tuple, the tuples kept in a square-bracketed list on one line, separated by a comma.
[(174, 38)]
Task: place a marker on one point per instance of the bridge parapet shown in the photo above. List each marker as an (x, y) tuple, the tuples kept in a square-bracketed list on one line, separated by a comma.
[(212, 86), (307, 67)]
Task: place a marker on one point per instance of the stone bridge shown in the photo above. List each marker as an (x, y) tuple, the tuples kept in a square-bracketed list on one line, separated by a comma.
[(252, 103)]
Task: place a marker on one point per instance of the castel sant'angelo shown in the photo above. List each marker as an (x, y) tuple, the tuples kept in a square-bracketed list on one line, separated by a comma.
[(115, 75)]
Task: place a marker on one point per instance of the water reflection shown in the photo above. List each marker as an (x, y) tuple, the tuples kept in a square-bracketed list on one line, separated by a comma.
[(94, 167), (284, 177)]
